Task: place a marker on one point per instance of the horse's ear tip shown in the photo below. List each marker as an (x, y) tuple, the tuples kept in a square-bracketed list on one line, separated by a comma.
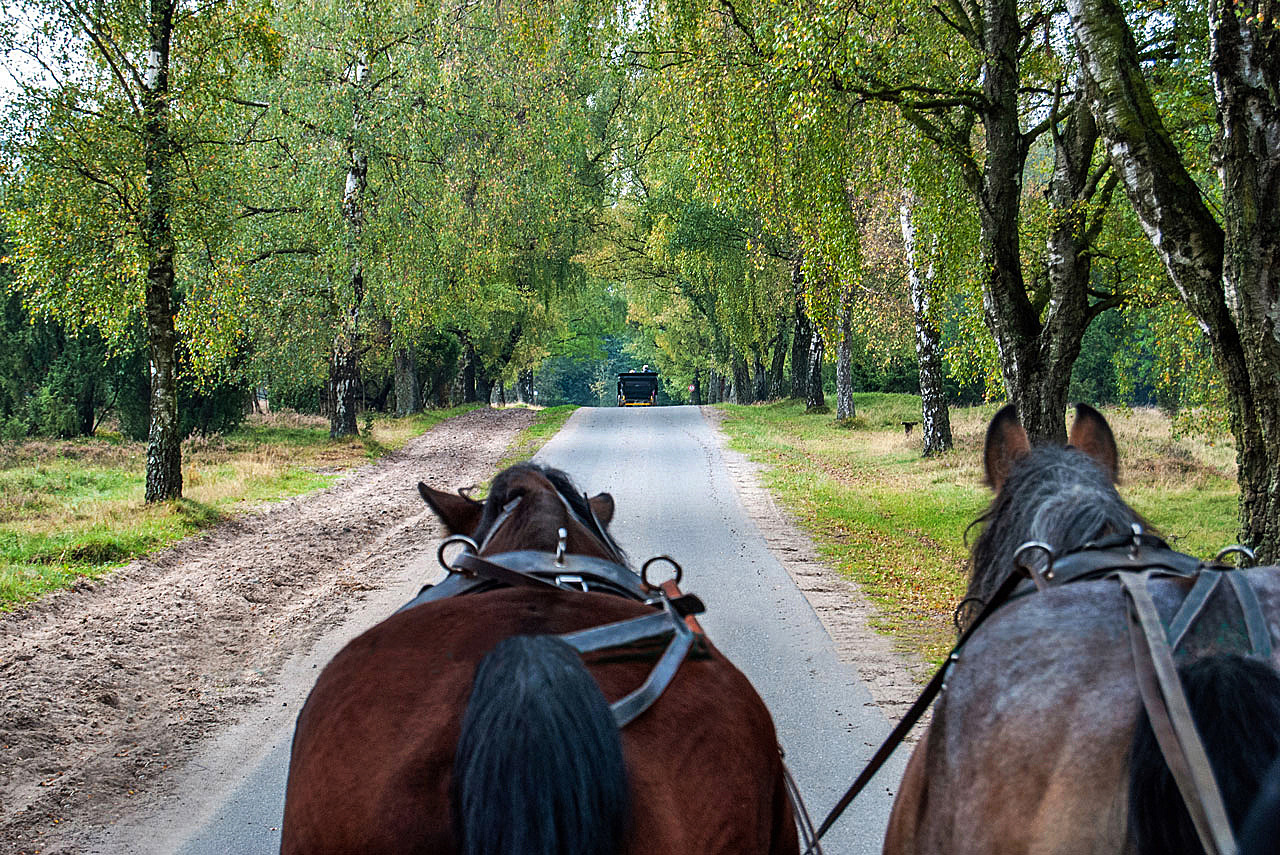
[(1084, 410)]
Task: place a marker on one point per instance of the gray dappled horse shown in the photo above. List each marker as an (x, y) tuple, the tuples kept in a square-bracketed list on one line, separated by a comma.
[(1040, 742)]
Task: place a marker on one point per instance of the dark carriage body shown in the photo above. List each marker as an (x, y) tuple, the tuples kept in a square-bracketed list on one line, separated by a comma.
[(637, 389)]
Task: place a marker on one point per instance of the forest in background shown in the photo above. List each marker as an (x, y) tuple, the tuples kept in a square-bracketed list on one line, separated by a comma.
[(389, 205)]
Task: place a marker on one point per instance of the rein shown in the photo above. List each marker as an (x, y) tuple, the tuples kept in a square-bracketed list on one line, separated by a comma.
[(1133, 559)]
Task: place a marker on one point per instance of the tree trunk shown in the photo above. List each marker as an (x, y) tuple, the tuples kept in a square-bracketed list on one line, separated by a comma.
[(408, 397), (777, 367), (741, 381), (344, 362), (164, 444), (484, 383), (815, 396), (344, 388), (695, 397), (524, 386), (844, 357), (802, 339), (1007, 309), (1226, 277), (469, 392), (935, 418), (760, 378)]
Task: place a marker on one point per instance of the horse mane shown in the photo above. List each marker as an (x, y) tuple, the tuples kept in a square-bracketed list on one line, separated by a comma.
[(1059, 496), (506, 486)]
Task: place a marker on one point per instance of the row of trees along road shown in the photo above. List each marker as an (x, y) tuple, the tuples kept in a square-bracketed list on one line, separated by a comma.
[(1043, 162), (258, 184), (305, 189)]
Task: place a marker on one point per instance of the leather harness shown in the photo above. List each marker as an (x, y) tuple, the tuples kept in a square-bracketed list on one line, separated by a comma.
[(471, 573), (1133, 559)]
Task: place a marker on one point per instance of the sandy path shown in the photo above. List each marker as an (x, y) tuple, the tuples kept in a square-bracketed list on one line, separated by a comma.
[(108, 685)]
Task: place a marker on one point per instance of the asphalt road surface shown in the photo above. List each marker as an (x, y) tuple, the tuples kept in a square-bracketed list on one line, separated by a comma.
[(664, 469)]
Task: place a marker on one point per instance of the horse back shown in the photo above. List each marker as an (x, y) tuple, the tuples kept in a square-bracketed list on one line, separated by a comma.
[(374, 745), (1027, 750)]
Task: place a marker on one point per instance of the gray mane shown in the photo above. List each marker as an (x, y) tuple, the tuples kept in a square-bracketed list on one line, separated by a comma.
[(1055, 495)]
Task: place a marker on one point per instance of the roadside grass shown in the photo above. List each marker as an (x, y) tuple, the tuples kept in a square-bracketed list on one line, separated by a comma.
[(896, 523), (547, 422), (72, 509)]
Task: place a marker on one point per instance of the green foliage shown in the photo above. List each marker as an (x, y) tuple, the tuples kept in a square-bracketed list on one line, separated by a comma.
[(52, 383)]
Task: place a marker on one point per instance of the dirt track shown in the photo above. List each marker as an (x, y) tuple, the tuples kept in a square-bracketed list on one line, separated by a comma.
[(108, 685)]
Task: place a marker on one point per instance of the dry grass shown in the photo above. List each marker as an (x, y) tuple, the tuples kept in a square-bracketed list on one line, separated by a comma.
[(72, 508)]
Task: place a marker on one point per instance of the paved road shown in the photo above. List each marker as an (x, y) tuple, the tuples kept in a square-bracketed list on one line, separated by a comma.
[(665, 472)]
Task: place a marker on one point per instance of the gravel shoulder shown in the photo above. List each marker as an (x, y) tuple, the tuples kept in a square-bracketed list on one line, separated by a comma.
[(108, 687)]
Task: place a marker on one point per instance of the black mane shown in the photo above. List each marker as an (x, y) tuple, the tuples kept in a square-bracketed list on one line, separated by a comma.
[(1055, 495)]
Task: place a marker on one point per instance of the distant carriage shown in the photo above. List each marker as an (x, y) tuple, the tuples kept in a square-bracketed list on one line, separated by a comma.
[(638, 388)]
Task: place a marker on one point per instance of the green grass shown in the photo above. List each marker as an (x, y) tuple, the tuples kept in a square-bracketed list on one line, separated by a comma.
[(73, 509), (546, 424), (895, 522)]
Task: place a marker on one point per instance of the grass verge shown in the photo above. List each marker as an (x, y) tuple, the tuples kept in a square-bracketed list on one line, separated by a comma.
[(895, 522), (73, 509), (546, 424)]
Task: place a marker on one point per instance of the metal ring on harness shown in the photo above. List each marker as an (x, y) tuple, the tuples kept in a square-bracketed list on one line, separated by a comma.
[(1041, 575), (1237, 549), (468, 545), (644, 570)]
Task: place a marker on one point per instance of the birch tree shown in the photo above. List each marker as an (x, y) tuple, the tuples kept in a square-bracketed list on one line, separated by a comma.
[(1226, 267), (935, 416), (117, 132)]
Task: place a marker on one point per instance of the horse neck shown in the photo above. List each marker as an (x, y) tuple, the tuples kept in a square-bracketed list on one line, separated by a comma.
[(1058, 498)]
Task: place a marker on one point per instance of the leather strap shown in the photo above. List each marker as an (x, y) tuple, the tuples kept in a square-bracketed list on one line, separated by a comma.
[(620, 633), (1171, 720), (1255, 623), (667, 622), (812, 845), (473, 565), (1192, 605)]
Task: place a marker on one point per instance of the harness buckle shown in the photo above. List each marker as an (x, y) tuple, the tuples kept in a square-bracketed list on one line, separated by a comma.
[(573, 581), (562, 538)]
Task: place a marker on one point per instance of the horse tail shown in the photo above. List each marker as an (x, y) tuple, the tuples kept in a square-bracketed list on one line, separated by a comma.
[(539, 768), (1235, 702)]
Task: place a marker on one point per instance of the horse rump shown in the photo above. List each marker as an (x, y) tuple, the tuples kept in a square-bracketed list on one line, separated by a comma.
[(1235, 702), (539, 768)]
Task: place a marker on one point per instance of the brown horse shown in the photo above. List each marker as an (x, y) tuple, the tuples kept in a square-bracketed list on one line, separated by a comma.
[(464, 724), (1040, 742)]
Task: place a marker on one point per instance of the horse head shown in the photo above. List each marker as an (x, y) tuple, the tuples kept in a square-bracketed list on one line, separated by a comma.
[(526, 507), (1064, 497)]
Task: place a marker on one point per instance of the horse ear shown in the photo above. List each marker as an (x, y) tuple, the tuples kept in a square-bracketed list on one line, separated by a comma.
[(602, 507), (1091, 434), (1006, 442), (459, 514)]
